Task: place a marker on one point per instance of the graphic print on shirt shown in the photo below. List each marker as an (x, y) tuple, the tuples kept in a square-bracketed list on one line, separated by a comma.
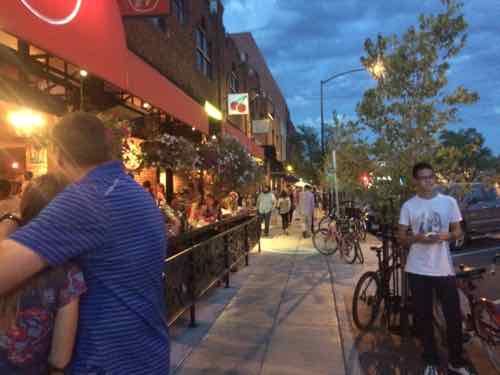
[(429, 221)]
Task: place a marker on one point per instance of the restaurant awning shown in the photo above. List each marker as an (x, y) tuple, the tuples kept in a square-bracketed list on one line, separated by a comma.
[(90, 34), (241, 137)]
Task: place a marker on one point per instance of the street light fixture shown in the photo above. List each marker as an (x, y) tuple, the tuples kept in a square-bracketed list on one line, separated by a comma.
[(377, 71)]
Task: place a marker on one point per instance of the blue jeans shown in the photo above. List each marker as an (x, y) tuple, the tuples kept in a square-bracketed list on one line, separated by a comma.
[(267, 219)]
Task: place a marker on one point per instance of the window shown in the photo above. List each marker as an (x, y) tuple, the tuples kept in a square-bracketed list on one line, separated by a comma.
[(234, 84), (203, 52), (159, 23), (179, 10)]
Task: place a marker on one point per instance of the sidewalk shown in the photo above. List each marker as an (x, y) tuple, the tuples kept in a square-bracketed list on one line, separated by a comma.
[(290, 313), (281, 321)]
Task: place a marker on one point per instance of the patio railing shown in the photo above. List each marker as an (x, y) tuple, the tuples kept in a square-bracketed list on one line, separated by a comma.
[(194, 271)]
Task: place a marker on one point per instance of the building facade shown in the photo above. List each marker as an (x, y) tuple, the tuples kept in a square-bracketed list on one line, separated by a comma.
[(156, 67)]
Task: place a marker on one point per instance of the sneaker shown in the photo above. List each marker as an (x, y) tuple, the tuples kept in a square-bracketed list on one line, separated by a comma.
[(461, 370), (431, 370)]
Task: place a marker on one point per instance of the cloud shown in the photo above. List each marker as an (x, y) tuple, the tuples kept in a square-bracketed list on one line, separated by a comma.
[(306, 41)]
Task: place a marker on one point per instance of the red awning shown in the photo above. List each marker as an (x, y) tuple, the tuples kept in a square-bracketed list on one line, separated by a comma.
[(251, 147), (257, 151), (147, 83), (90, 34)]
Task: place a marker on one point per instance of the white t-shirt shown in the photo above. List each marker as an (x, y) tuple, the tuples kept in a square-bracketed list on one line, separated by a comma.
[(430, 215)]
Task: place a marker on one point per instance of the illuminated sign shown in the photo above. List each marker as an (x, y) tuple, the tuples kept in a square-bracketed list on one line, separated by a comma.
[(67, 13), (238, 104), (144, 7)]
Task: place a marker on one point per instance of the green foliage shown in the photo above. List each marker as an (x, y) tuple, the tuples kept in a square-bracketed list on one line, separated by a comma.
[(353, 158), (232, 168), (463, 156), (412, 104), (170, 152), (305, 153)]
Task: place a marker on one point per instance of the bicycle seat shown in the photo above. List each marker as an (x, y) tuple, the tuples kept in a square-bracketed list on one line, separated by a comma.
[(467, 272), (378, 249)]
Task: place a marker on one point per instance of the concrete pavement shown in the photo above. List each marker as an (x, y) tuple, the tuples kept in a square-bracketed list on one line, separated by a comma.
[(281, 321), (290, 313)]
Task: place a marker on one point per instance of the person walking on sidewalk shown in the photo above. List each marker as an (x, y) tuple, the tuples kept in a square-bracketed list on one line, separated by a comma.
[(265, 204), (428, 222), (284, 206), (306, 203), (293, 204)]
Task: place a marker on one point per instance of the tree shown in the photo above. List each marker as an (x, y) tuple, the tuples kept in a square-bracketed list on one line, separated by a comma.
[(463, 156), (352, 153), (305, 153), (412, 104)]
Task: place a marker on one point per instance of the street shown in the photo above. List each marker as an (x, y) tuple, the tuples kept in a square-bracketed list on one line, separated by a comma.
[(480, 254)]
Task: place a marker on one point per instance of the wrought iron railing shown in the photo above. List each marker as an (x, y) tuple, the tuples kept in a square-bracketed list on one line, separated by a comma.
[(195, 270)]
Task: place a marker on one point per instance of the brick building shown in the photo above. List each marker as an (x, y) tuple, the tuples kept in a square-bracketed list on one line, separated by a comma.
[(271, 102), (191, 48), (160, 71)]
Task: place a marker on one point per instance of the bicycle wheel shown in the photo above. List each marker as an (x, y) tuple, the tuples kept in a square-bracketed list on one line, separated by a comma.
[(349, 249), (487, 327), (366, 301), (324, 242)]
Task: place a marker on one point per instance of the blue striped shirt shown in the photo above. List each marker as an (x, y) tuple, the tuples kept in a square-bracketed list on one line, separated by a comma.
[(112, 228)]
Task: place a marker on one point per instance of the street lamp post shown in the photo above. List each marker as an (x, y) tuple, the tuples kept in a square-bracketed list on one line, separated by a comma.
[(377, 70), (322, 83)]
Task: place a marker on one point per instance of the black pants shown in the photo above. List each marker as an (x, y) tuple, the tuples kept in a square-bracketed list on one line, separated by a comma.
[(423, 289), (284, 220), (266, 217), (290, 215)]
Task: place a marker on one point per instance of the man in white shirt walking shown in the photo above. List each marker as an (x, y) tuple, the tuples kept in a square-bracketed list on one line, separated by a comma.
[(265, 204), (306, 206), (427, 224)]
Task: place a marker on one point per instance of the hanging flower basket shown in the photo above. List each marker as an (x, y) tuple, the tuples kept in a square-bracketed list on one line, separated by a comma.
[(231, 166), (170, 152)]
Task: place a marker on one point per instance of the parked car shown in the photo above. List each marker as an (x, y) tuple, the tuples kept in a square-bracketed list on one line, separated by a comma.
[(480, 207)]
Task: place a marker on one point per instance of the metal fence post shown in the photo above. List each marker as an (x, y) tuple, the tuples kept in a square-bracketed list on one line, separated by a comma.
[(192, 290), (247, 246), (226, 259)]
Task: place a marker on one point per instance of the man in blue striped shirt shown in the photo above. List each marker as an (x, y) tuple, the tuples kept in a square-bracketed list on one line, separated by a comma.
[(112, 228)]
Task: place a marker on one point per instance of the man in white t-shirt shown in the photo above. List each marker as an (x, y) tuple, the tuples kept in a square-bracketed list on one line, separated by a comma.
[(427, 224)]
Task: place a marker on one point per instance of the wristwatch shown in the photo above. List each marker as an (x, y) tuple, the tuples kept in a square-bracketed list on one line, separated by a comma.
[(11, 217)]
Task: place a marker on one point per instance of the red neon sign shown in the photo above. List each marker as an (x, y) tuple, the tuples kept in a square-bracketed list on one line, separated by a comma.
[(63, 13)]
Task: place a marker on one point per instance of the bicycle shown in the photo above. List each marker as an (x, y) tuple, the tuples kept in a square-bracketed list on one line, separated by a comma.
[(481, 316), (375, 287), (334, 235)]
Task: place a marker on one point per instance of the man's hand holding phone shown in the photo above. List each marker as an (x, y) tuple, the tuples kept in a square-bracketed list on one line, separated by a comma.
[(428, 238)]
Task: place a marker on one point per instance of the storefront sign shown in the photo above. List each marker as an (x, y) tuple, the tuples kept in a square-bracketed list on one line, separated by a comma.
[(260, 126), (55, 14), (238, 104), (144, 7)]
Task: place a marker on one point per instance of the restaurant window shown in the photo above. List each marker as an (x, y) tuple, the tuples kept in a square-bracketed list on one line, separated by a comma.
[(179, 10), (203, 52)]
